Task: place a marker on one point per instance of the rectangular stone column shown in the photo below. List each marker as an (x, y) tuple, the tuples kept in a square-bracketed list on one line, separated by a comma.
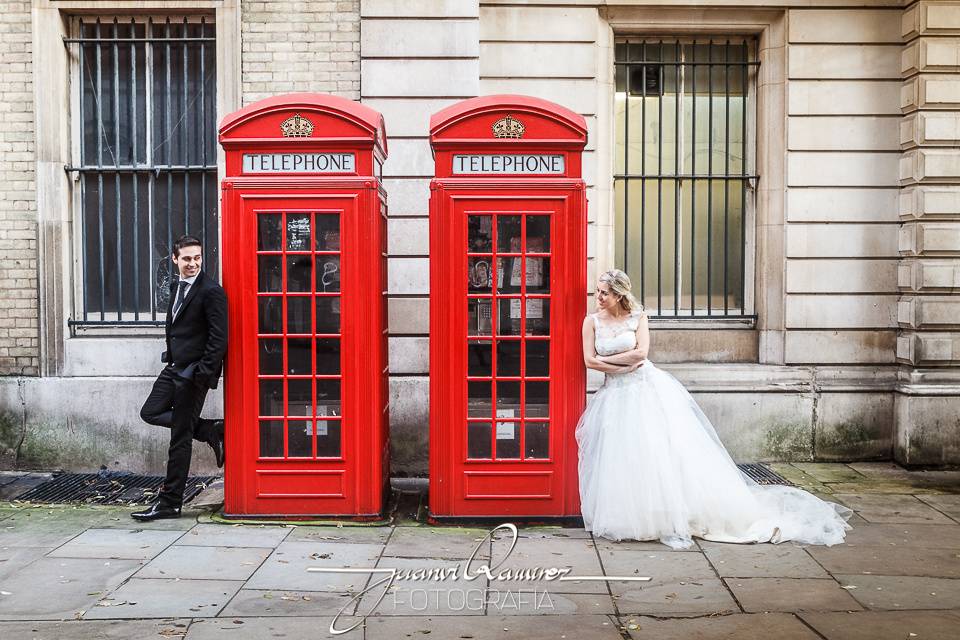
[(928, 345)]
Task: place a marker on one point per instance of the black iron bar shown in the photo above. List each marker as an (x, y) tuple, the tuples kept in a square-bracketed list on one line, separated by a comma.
[(184, 124), (116, 159), (726, 185), (626, 169), (657, 63), (148, 128), (98, 95), (710, 181), (660, 187), (693, 183), (132, 102), (85, 257), (676, 181), (203, 134), (743, 183), (167, 134), (643, 183), (134, 40)]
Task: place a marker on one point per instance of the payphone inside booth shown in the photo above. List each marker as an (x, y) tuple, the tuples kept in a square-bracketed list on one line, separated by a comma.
[(507, 299), (304, 269)]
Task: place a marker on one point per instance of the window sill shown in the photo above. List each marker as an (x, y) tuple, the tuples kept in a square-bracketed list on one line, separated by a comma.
[(701, 323), (80, 330)]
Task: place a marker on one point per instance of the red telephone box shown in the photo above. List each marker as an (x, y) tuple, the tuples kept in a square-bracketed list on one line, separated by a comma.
[(304, 268), (507, 299)]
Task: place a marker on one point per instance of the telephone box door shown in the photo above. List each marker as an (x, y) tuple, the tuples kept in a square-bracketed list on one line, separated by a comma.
[(509, 441), (303, 428)]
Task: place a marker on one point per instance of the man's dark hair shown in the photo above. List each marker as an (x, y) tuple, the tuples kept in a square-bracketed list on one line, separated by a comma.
[(185, 241)]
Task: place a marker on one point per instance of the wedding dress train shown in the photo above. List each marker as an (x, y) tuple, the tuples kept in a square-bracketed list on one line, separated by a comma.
[(652, 468)]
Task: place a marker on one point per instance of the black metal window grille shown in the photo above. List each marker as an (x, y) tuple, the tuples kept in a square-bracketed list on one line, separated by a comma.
[(684, 173), (147, 170)]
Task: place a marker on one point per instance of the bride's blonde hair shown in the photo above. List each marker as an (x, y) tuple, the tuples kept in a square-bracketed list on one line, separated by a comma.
[(619, 283)]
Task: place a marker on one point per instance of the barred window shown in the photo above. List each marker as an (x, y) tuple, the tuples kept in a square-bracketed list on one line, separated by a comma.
[(145, 149), (684, 174)]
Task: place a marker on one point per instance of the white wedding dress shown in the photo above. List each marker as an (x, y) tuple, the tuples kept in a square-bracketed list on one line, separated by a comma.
[(652, 467)]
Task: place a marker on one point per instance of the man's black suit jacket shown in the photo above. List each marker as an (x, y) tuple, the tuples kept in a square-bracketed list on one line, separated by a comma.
[(198, 336)]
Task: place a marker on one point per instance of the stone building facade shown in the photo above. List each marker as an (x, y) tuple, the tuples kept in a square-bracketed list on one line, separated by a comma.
[(848, 342)]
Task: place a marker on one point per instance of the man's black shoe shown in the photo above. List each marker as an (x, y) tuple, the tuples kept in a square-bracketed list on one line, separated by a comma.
[(217, 443), (156, 512)]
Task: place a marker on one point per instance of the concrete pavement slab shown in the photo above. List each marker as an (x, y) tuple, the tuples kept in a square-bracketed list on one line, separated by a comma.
[(54, 525), (757, 595), (234, 628), (934, 479), (165, 598), (437, 542), (701, 596), (286, 568), (782, 626), (903, 509), (348, 534), (942, 536), (131, 544), (41, 530), (576, 555), (826, 472), (885, 625), (552, 532), (786, 560), (506, 602), (264, 602), (947, 504), (580, 627), (902, 592), (880, 486), (122, 520), (56, 588), (205, 563), (170, 629), (234, 535), (905, 561), (602, 544), (12, 559), (661, 566), (799, 478), (457, 595)]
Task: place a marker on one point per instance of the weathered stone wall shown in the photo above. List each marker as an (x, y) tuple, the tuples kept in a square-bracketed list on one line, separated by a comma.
[(417, 57), (300, 46), (928, 399), (19, 317)]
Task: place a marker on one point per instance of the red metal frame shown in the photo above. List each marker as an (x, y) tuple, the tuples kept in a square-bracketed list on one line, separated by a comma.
[(518, 483), (295, 475)]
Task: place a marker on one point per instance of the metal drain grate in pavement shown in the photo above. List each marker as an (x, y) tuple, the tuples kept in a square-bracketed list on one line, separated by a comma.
[(113, 488), (763, 474)]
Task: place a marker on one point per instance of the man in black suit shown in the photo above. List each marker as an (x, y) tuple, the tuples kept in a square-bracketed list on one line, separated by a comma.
[(196, 344)]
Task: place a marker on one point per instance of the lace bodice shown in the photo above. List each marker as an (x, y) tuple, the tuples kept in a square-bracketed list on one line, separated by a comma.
[(617, 337), (610, 338)]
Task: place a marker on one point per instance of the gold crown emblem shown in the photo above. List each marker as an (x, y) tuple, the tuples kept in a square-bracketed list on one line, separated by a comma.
[(508, 127), (296, 126)]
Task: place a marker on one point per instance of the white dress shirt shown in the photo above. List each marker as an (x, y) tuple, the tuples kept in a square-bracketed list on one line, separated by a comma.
[(184, 282)]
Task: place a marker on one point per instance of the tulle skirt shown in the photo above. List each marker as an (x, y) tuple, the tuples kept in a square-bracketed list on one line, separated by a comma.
[(652, 468)]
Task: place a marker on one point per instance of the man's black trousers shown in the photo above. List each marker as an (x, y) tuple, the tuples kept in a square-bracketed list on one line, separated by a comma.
[(175, 402)]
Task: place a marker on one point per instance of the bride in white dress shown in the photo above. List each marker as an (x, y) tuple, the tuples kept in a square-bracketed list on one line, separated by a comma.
[(651, 465)]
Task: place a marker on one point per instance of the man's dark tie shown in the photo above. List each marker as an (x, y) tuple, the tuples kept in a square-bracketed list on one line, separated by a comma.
[(181, 292)]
